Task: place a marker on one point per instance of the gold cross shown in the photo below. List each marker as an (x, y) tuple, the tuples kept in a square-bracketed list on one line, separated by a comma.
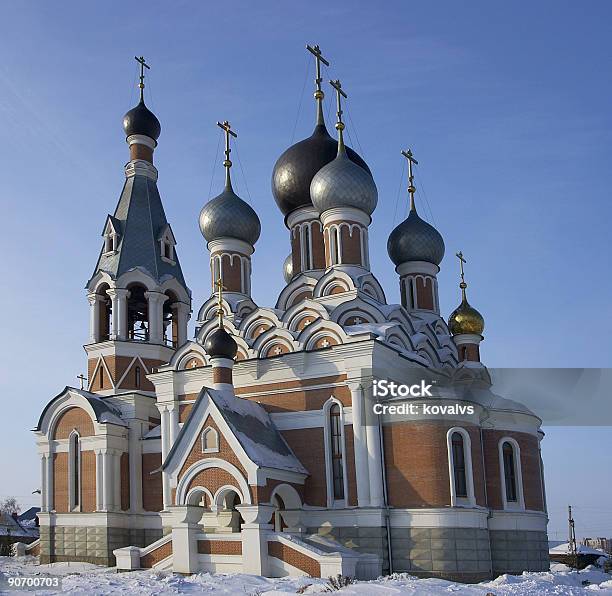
[(411, 189), (227, 128), (143, 65), (220, 287)]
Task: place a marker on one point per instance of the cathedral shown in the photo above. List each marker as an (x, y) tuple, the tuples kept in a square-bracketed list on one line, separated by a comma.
[(253, 447)]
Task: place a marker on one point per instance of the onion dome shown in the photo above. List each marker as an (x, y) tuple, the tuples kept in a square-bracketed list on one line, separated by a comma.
[(141, 121), (415, 240), (220, 344), (342, 183), (288, 268), (465, 318), (228, 216), (297, 166)]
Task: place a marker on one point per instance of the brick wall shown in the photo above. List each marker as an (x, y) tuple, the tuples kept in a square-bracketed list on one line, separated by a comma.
[(351, 246), (220, 547), (88, 481), (60, 482), (424, 293), (71, 419), (530, 467), (295, 558), (159, 554), (152, 491), (125, 481)]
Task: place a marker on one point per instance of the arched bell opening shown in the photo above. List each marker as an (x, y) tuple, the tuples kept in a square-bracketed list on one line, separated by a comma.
[(170, 320), (105, 312), (137, 313)]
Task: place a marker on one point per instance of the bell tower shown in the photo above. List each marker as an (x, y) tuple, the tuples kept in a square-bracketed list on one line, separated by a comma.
[(139, 301)]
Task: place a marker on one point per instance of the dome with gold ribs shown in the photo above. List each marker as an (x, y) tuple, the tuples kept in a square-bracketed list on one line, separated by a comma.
[(465, 319)]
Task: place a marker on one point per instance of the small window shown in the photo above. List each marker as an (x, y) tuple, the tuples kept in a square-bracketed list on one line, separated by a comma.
[(459, 471), (335, 427), (210, 440), (509, 472), (137, 377), (74, 471)]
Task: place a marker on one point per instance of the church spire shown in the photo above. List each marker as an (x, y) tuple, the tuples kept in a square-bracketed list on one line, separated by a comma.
[(318, 94)]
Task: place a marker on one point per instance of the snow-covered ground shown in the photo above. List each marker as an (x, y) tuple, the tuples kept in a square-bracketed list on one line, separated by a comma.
[(84, 578)]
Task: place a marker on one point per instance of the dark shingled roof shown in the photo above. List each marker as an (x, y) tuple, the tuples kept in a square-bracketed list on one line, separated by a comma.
[(141, 219)]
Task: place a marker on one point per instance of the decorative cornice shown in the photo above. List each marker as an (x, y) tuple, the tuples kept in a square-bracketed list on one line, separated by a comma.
[(141, 167)]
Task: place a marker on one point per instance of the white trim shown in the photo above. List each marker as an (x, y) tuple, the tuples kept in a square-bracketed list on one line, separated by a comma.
[(204, 464), (470, 500), (519, 505), (199, 489), (222, 492), (331, 501), (422, 267), (141, 140), (230, 245), (209, 430)]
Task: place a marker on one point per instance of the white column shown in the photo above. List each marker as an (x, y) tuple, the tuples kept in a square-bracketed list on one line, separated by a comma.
[(135, 454), (182, 314), (374, 454), (107, 480), (119, 298), (360, 445), (94, 317), (165, 440), (255, 532), (43, 479), (174, 424), (156, 328), (117, 480), (99, 480), (50, 480)]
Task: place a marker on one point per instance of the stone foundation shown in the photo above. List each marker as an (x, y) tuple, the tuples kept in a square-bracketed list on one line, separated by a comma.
[(89, 544), (515, 551)]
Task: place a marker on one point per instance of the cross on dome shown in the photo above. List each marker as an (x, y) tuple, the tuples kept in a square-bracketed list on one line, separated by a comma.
[(143, 64), (318, 94), (411, 189)]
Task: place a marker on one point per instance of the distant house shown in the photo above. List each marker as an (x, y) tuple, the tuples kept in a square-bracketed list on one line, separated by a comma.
[(604, 544), (29, 518), (12, 530), (585, 555)]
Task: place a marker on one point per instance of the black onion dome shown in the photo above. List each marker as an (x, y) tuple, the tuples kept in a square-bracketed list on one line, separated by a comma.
[(220, 344), (297, 166), (228, 216), (141, 121), (415, 240)]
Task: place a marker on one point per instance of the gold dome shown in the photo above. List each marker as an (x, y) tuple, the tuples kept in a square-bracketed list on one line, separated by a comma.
[(465, 318)]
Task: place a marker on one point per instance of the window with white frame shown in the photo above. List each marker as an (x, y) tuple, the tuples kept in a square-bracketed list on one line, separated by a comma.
[(460, 467), (511, 475), (111, 237), (210, 440), (335, 454), (74, 471), (167, 244)]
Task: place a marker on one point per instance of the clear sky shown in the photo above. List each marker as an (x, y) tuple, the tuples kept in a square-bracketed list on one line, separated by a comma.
[(507, 107)]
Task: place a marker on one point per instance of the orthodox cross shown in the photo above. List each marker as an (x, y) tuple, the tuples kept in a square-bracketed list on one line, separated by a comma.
[(227, 128), (409, 157), (339, 125), (318, 94), (462, 261), (143, 65), (316, 52), (82, 378), (220, 287)]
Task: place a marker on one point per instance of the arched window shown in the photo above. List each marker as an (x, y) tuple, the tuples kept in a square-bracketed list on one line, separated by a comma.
[(170, 321), (336, 452), (307, 251), (509, 472), (74, 471), (459, 471), (138, 313), (210, 440), (137, 377), (460, 467)]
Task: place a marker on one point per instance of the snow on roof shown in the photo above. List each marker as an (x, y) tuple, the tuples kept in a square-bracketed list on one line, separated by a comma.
[(564, 549), (255, 431), (154, 433)]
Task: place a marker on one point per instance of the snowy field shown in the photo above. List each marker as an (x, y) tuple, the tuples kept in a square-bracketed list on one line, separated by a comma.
[(83, 578)]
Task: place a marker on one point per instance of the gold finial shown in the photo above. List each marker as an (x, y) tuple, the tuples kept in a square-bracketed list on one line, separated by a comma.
[(411, 190), (339, 125), (227, 127), (143, 65), (462, 285), (220, 287), (318, 94)]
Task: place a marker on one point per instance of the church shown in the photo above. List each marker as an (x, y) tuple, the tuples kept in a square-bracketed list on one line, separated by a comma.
[(252, 447)]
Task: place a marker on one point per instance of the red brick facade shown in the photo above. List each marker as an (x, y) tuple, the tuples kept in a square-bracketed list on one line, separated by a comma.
[(152, 491), (220, 547), (159, 554), (296, 559), (74, 419)]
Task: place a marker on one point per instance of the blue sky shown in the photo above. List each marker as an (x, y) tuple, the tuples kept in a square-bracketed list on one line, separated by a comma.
[(506, 106)]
